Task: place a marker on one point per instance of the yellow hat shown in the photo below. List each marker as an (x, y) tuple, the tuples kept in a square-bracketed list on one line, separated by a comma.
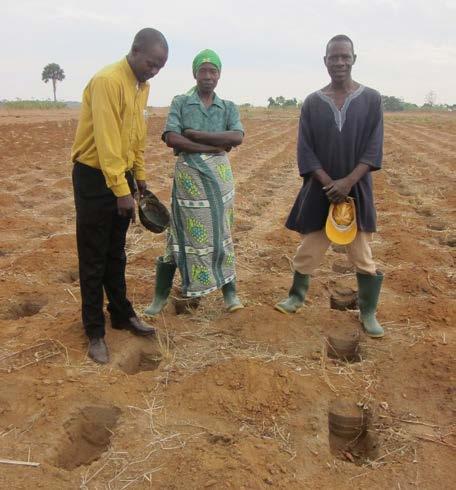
[(341, 225)]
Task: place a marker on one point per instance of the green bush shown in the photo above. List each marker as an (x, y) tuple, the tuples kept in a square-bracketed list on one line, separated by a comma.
[(33, 104)]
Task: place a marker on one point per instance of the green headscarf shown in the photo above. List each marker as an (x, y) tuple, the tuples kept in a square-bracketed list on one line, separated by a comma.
[(205, 56)]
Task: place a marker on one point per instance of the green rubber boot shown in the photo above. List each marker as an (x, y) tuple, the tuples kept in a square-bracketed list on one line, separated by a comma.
[(163, 283), (368, 293), (230, 297), (296, 295)]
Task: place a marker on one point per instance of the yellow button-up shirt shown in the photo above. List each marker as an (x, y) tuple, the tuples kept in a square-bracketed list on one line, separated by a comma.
[(111, 133)]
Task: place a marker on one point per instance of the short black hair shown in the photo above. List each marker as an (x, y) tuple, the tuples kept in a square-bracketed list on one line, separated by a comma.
[(149, 36), (340, 37)]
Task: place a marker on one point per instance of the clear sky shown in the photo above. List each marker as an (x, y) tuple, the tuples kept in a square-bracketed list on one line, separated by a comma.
[(268, 48)]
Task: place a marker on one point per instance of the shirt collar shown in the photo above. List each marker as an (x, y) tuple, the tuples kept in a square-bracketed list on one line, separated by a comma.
[(218, 101), (194, 99), (131, 77)]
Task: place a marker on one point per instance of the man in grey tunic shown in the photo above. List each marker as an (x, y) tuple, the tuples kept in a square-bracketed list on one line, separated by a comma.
[(340, 142)]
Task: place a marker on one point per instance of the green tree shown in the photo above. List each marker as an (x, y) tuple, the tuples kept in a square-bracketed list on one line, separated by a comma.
[(290, 102), (282, 102), (408, 106), (392, 104), (55, 73), (271, 103)]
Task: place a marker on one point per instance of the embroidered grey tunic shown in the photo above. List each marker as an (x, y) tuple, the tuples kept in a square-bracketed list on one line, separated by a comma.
[(337, 141), (199, 238)]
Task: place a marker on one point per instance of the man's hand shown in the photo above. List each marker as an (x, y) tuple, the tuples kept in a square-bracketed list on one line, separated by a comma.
[(338, 190), (142, 187), (126, 206)]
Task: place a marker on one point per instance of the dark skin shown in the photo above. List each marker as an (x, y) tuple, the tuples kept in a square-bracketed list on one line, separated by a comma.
[(339, 60), (145, 61), (193, 141)]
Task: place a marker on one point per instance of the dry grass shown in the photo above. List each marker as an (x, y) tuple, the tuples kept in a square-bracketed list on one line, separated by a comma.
[(27, 356)]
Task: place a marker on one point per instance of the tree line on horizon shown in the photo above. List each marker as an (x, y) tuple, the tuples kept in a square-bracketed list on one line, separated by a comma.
[(390, 103), (53, 72)]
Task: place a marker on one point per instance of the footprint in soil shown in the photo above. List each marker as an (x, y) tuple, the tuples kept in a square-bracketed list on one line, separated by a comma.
[(405, 191), (26, 307), (450, 241), (88, 434), (62, 209), (426, 211), (436, 225), (25, 204), (57, 195), (68, 277), (242, 226)]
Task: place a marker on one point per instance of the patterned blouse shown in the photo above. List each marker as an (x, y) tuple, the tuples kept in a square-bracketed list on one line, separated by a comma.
[(188, 112)]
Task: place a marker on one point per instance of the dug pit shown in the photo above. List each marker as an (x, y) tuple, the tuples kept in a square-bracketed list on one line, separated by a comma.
[(343, 343), (343, 298), (349, 436), (139, 358), (25, 307), (342, 266), (87, 436)]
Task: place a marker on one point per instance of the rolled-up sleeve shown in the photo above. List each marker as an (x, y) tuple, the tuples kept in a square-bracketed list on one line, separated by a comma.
[(107, 125), (307, 160), (373, 154), (234, 119), (174, 120)]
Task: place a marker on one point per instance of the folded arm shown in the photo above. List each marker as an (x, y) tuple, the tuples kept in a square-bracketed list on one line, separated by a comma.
[(221, 139), (183, 144)]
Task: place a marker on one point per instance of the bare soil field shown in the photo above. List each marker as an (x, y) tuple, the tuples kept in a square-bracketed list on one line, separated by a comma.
[(220, 401)]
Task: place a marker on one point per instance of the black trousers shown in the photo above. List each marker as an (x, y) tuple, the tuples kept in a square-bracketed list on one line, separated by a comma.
[(101, 235)]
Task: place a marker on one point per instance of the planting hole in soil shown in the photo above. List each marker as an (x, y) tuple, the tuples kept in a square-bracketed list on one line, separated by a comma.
[(343, 298), (349, 436), (342, 266), (339, 249), (24, 308), (88, 435), (343, 344), (184, 305), (139, 358)]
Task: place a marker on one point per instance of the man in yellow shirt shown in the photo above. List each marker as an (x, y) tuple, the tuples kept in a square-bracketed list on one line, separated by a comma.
[(108, 157)]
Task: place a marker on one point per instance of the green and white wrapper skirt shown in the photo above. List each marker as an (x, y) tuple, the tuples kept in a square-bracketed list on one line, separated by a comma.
[(202, 216)]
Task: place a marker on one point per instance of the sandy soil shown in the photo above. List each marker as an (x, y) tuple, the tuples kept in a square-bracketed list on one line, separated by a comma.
[(224, 401)]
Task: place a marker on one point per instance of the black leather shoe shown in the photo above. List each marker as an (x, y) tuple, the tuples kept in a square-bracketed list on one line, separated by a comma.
[(98, 351), (135, 325)]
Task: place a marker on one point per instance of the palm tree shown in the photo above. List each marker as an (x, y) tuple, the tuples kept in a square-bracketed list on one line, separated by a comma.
[(52, 72)]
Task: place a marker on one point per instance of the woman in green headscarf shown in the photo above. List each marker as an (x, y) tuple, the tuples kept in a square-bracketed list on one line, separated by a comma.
[(201, 128)]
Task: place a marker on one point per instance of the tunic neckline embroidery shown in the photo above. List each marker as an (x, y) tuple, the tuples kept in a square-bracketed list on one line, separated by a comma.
[(340, 115)]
